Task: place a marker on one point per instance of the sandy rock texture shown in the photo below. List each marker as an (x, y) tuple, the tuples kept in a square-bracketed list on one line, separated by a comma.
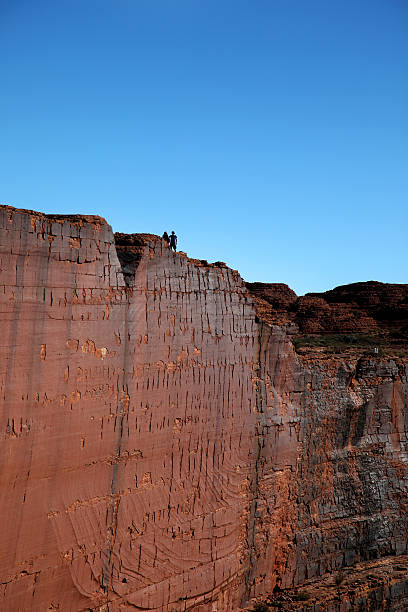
[(164, 447)]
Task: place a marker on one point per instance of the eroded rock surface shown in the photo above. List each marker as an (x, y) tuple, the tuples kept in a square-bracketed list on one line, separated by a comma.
[(164, 446), (369, 307)]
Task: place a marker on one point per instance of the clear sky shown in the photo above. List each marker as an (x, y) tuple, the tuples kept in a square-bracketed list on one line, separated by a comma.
[(269, 134)]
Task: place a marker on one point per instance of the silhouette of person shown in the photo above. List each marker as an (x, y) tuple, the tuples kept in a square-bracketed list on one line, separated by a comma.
[(173, 241), (166, 238)]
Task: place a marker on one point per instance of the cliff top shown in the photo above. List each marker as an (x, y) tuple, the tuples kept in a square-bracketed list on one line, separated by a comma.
[(130, 247), (76, 219), (357, 317)]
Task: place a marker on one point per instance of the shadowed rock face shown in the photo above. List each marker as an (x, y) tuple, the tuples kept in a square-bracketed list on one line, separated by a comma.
[(369, 307), (164, 448), (130, 249)]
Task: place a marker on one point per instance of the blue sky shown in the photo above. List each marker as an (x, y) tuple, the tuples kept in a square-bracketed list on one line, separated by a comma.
[(269, 134)]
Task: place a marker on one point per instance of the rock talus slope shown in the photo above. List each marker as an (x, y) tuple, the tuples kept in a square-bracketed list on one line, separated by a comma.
[(165, 449)]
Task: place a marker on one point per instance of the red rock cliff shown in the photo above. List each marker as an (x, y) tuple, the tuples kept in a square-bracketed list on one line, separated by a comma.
[(164, 448)]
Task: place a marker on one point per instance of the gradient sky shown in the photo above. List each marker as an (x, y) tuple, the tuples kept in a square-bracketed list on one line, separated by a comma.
[(269, 134)]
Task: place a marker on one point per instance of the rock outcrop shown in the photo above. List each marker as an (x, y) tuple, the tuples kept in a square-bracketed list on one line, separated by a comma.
[(164, 445), (369, 307)]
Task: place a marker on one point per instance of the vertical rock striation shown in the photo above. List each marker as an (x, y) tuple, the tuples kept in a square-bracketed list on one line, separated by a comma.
[(163, 448)]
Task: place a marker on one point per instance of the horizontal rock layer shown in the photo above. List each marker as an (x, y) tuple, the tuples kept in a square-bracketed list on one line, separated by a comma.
[(164, 448)]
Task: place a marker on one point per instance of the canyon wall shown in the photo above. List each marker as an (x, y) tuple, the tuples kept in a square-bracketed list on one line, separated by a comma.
[(164, 448)]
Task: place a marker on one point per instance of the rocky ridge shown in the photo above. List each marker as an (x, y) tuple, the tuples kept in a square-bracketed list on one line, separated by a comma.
[(360, 315)]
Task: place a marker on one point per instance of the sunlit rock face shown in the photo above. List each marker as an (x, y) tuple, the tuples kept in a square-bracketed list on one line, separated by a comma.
[(164, 446)]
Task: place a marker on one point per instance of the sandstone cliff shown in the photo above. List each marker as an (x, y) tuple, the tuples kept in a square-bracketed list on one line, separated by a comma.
[(164, 445)]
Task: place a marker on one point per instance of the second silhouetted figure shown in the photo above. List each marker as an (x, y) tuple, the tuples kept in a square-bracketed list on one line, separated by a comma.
[(173, 241)]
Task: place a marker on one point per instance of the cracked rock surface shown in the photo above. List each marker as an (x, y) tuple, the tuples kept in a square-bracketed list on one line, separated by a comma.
[(164, 447)]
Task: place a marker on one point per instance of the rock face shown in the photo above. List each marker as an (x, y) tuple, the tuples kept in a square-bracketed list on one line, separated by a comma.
[(370, 307), (164, 448)]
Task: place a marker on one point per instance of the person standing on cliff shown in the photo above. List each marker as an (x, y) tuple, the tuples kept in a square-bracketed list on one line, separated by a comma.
[(166, 238), (173, 241)]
